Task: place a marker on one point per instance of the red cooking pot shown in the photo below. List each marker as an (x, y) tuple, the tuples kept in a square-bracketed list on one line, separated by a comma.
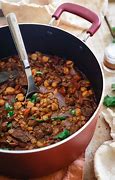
[(52, 40)]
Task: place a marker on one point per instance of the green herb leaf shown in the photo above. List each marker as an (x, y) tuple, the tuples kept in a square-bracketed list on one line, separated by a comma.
[(109, 101), (34, 98), (10, 114), (72, 111), (59, 118), (40, 120), (8, 107), (63, 134), (113, 87), (9, 124), (39, 73)]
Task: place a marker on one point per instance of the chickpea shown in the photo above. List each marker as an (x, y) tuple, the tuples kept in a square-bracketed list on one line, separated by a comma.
[(30, 104), (55, 100), (37, 105), (33, 141), (45, 58), (49, 88), (82, 118), (46, 83), (83, 89), (20, 97), (49, 106), (55, 129), (54, 106), (55, 91), (10, 131), (34, 56), (74, 119), (85, 93), (34, 109), (66, 70), (50, 94), (39, 144), (2, 102), (22, 126), (54, 123), (45, 117), (30, 147), (49, 114), (54, 84), (9, 90), (17, 105), (90, 92), (30, 128), (78, 111)]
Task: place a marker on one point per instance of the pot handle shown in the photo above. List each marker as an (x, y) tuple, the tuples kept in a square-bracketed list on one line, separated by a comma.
[(82, 12)]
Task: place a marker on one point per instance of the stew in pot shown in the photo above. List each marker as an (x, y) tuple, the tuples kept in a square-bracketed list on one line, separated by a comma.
[(64, 103)]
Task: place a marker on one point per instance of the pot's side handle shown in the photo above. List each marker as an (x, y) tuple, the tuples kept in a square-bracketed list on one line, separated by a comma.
[(82, 12)]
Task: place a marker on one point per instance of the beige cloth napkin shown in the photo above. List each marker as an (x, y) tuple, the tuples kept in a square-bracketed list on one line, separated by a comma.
[(40, 11)]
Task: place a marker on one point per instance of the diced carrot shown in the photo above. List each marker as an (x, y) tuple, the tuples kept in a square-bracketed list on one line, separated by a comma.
[(26, 112)]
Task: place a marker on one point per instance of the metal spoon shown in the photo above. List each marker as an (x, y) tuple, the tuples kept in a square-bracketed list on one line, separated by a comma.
[(16, 35)]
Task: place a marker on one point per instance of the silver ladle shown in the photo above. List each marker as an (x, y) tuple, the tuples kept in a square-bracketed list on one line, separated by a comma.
[(17, 38)]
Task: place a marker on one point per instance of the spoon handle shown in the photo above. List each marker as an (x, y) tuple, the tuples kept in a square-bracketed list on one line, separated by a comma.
[(17, 37)]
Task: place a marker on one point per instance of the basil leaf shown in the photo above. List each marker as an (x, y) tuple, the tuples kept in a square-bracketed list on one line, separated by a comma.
[(9, 124), (40, 121), (109, 101), (72, 111), (64, 134), (10, 114), (8, 107), (33, 98), (59, 118)]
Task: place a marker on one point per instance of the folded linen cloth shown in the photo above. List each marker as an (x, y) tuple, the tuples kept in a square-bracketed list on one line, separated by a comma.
[(40, 11)]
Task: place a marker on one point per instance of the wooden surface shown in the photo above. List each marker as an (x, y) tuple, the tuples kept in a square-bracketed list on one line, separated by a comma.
[(97, 44)]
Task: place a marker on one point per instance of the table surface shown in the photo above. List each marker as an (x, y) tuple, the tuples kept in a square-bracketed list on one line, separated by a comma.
[(97, 44)]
